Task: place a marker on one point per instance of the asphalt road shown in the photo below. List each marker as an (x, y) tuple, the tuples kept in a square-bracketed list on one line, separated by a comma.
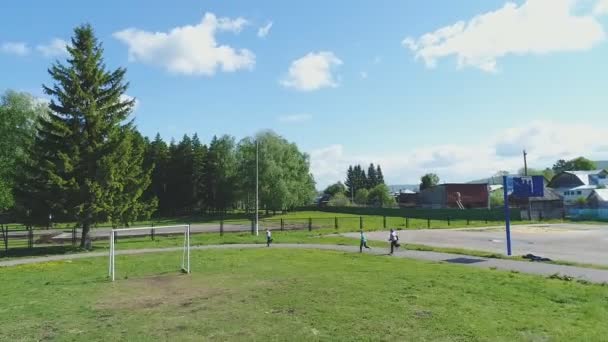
[(567, 242)]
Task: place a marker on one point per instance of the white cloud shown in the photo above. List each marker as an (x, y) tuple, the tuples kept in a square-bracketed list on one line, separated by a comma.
[(601, 7), (15, 48), (125, 97), (545, 142), (377, 60), (264, 30), (534, 27), (189, 50), (55, 48), (363, 74), (312, 72), (295, 118)]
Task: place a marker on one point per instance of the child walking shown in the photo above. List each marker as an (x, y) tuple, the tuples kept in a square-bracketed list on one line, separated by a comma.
[(268, 237), (363, 242)]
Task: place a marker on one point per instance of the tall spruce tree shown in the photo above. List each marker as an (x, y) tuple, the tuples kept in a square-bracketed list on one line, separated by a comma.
[(360, 178), (350, 182), (125, 193), (183, 170), (199, 153), (78, 169), (372, 178), (173, 179), (220, 173), (157, 156), (379, 175)]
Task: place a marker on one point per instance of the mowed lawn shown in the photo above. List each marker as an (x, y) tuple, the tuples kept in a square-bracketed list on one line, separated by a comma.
[(289, 295)]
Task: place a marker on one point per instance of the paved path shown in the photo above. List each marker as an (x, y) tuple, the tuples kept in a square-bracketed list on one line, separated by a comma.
[(568, 242), (592, 275)]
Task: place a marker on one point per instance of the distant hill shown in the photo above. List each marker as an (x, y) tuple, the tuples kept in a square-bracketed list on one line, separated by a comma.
[(397, 187)]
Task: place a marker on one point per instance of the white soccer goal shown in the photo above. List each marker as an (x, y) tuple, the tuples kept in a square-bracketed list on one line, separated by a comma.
[(143, 231)]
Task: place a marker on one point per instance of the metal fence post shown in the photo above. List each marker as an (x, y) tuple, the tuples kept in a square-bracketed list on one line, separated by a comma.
[(428, 223), (252, 227), (282, 224), (360, 222), (336, 222), (407, 222), (468, 221), (384, 222), (152, 231), (31, 238), (5, 238), (309, 223), (73, 236), (448, 220)]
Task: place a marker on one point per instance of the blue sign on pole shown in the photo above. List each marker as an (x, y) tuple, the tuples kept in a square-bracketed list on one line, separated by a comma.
[(524, 187), (521, 187)]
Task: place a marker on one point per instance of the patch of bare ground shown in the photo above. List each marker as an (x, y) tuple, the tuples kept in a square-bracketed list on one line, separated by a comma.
[(152, 292)]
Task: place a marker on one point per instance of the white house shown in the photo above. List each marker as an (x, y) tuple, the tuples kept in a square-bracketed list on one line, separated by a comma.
[(598, 199), (573, 185)]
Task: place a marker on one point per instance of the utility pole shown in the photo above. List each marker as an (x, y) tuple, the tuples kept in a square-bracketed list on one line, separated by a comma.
[(257, 224), (525, 164)]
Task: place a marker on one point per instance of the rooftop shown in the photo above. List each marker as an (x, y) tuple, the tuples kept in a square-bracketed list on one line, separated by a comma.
[(602, 194)]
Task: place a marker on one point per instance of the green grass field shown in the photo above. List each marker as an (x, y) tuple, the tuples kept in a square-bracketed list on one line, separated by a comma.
[(271, 294)]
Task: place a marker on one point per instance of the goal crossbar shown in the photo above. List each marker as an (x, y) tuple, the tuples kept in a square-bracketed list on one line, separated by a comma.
[(186, 248)]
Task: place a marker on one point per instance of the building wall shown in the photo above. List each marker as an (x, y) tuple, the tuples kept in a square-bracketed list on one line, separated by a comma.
[(433, 198), (543, 210), (445, 196), (471, 195), (571, 196)]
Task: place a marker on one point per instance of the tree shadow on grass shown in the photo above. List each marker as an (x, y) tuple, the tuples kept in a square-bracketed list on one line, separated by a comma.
[(43, 251)]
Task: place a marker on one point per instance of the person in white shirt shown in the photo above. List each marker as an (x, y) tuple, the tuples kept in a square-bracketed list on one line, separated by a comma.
[(268, 237), (393, 238)]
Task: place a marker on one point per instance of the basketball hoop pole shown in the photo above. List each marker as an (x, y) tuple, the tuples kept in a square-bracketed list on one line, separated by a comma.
[(257, 226), (507, 213)]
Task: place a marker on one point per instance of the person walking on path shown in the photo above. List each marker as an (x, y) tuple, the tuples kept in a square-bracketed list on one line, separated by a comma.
[(363, 242), (268, 237), (393, 238)]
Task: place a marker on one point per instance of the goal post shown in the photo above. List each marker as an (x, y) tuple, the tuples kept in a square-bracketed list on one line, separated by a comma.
[(141, 231)]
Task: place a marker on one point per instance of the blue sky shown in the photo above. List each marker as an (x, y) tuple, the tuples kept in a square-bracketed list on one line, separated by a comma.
[(456, 88)]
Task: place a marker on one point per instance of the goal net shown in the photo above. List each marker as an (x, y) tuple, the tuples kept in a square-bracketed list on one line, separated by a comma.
[(143, 231)]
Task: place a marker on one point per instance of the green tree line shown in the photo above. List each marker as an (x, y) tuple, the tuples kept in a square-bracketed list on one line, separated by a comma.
[(361, 188), (191, 177), (81, 159)]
